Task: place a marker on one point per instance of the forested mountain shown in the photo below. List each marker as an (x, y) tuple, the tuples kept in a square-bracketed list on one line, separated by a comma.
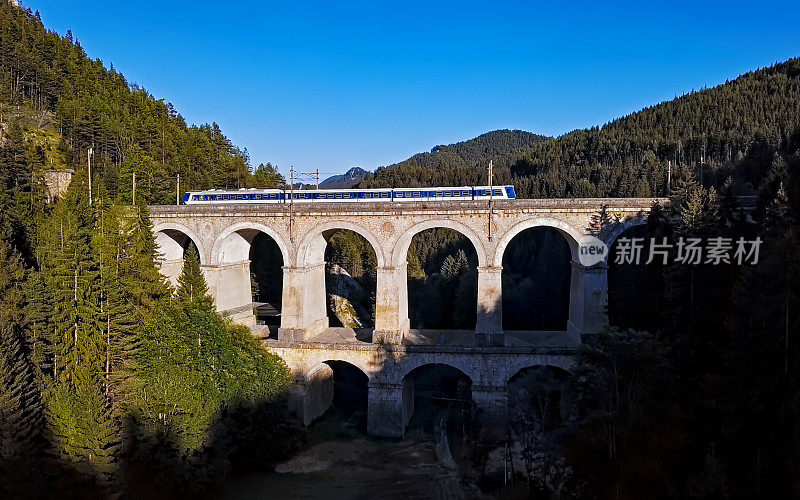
[(108, 374), (345, 180), (463, 163), (732, 130), (113, 383), (48, 82)]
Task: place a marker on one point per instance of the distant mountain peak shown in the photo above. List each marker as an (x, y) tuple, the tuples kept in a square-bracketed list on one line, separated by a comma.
[(345, 180)]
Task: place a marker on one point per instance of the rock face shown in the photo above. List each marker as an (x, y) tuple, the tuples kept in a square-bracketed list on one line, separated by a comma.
[(347, 297), (57, 183)]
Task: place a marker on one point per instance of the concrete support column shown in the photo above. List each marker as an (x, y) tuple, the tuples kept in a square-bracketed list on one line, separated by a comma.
[(389, 408), (588, 299), (391, 305), (312, 394), (490, 301), (492, 403), (303, 311), (229, 287)]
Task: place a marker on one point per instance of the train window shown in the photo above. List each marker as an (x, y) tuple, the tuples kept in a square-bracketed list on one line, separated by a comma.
[(338, 195), (415, 194)]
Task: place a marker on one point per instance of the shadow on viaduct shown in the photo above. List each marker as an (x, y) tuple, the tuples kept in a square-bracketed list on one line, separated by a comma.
[(223, 235)]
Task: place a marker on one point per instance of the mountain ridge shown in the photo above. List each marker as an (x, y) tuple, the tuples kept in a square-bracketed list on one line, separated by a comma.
[(724, 132)]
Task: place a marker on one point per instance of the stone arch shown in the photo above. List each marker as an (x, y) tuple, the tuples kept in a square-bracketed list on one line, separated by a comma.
[(318, 388), (539, 308), (353, 361), (400, 251), (233, 244), (418, 362), (570, 234), (312, 248), (521, 369), (620, 227), (171, 240)]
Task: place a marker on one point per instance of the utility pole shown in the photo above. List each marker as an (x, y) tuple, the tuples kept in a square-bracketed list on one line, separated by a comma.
[(491, 196), (89, 162), (291, 204), (669, 176), (134, 188), (317, 178), (178, 191), (701, 168)]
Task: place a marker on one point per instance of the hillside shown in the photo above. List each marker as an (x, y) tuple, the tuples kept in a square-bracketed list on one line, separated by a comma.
[(735, 128), (457, 164), (48, 82)]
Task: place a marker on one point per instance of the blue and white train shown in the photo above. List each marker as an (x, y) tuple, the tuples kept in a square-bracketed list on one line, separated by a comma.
[(462, 193)]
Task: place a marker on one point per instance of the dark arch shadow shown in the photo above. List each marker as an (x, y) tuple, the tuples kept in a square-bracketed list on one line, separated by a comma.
[(350, 393), (635, 291), (266, 281), (536, 281), (439, 400)]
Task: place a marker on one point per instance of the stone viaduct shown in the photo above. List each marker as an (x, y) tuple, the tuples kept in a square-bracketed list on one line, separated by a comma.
[(223, 235)]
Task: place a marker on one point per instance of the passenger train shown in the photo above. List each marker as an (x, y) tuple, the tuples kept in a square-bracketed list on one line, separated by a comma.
[(462, 193)]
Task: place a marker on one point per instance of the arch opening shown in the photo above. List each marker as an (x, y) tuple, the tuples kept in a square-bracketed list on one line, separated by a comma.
[(251, 276), (173, 246), (266, 281), (438, 399), (336, 394), (635, 290), (536, 280), (350, 281), (350, 395), (442, 280)]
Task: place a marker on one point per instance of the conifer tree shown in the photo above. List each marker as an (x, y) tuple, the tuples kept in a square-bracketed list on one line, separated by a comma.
[(192, 287), (20, 400), (83, 430)]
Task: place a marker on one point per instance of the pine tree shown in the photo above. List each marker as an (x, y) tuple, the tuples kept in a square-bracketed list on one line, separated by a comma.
[(192, 288), (20, 400), (83, 430)]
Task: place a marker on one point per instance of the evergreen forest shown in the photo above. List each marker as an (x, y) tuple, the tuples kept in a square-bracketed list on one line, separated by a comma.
[(115, 383)]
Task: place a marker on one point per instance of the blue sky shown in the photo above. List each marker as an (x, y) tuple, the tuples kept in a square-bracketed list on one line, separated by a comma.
[(330, 85)]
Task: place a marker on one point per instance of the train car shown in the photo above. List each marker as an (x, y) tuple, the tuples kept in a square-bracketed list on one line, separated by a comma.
[(401, 195), (338, 195), (238, 196)]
